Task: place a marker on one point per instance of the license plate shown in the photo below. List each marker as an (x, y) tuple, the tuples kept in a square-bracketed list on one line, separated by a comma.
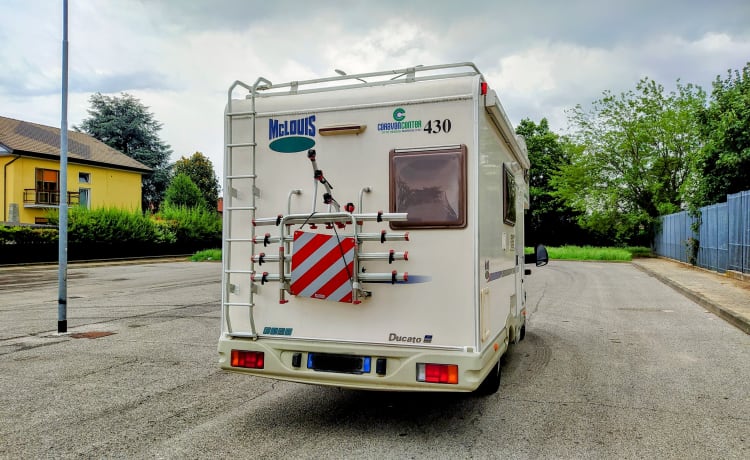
[(344, 364)]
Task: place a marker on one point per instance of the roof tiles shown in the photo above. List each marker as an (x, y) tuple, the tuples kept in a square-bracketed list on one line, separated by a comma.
[(21, 137)]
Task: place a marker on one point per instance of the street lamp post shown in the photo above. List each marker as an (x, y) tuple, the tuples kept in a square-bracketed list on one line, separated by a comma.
[(62, 251)]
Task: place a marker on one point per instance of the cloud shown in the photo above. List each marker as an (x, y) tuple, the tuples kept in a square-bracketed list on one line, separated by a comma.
[(395, 44), (179, 57)]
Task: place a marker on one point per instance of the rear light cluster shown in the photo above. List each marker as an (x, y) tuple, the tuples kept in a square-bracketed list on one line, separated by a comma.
[(426, 372), (248, 359), (437, 373)]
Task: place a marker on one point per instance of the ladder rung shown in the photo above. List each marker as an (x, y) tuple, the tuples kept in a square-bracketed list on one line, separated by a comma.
[(240, 208), (246, 272), (239, 304), (239, 240), (243, 176), (243, 144)]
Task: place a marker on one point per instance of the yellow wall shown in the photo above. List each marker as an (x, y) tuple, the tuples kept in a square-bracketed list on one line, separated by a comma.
[(110, 188)]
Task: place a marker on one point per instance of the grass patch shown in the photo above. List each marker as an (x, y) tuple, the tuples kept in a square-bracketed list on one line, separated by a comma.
[(596, 253), (207, 255)]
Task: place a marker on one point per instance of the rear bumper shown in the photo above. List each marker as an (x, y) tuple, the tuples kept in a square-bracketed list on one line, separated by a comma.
[(400, 364)]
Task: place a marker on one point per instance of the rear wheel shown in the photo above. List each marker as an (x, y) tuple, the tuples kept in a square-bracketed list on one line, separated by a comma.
[(491, 383)]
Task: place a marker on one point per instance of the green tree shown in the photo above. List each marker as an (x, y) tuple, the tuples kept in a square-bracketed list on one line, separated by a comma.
[(550, 220), (632, 159), (125, 124), (201, 171), (182, 192), (723, 165)]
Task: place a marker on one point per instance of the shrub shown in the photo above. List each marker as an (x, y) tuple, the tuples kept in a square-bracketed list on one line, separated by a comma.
[(192, 224), (182, 192), (111, 225), (27, 235)]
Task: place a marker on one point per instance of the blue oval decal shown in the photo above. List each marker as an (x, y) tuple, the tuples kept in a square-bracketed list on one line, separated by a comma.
[(292, 144)]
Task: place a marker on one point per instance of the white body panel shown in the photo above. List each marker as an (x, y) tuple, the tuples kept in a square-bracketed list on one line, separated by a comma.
[(462, 302)]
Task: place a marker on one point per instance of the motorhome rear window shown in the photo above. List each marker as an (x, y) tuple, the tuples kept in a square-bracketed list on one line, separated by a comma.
[(430, 186)]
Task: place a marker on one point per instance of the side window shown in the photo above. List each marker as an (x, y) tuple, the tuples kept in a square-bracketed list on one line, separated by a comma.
[(430, 185), (509, 196)]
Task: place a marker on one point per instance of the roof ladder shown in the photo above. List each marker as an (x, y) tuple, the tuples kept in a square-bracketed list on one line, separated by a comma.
[(229, 208)]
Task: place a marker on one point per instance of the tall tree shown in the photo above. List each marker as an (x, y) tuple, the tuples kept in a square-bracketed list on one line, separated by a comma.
[(201, 171), (633, 157), (550, 220), (182, 192), (125, 124), (723, 165)]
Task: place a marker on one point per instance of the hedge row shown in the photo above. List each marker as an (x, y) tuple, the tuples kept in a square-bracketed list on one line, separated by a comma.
[(118, 232)]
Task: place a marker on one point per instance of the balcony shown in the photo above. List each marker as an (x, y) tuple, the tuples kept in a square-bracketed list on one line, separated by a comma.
[(33, 198)]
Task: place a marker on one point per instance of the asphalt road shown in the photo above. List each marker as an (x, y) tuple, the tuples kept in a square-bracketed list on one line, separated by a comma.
[(614, 365)]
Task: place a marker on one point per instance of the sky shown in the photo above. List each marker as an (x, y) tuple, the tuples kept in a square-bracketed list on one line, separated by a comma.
[(179, 57)]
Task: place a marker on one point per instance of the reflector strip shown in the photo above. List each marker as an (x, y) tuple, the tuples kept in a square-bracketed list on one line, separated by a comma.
[(322, 266)]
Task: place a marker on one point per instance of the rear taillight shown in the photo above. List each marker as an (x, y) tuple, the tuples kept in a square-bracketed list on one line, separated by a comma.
[(248, 359), (437, 373)]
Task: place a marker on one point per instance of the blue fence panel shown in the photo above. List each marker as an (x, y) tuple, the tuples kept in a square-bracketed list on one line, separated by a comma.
[(739, 232), (724, 235), (713, 235), (671, 239)]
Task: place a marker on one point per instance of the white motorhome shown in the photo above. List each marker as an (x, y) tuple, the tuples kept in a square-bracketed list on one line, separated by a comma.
[(373, 231)]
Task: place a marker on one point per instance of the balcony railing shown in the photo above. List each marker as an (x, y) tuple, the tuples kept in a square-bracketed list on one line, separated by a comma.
[(33, 197)]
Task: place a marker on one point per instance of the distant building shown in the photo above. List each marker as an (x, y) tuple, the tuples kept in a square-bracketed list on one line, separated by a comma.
[(98, 175)]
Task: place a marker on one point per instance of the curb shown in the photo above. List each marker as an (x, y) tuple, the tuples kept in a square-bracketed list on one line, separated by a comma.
[(98, 263), (729, 316)]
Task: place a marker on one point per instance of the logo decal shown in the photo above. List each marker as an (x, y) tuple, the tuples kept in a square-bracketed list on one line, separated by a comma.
[(277, 330), (399, 124), (393, 337), (290, 136)]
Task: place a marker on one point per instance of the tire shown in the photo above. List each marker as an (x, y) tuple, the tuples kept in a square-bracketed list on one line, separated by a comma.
[(491, 383), (523, 331)]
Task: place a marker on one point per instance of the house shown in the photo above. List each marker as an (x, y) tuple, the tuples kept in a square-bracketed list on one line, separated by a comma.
[(98, 175)]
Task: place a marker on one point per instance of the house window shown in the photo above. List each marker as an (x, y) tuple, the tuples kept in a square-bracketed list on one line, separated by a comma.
[(430, 186), (84, 178), (84, 197), (47, 186)]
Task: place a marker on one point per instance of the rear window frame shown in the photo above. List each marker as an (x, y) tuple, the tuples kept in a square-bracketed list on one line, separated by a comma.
[(461, 220)]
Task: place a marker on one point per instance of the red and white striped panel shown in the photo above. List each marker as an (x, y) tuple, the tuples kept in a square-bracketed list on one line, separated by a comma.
[(322, 266)]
